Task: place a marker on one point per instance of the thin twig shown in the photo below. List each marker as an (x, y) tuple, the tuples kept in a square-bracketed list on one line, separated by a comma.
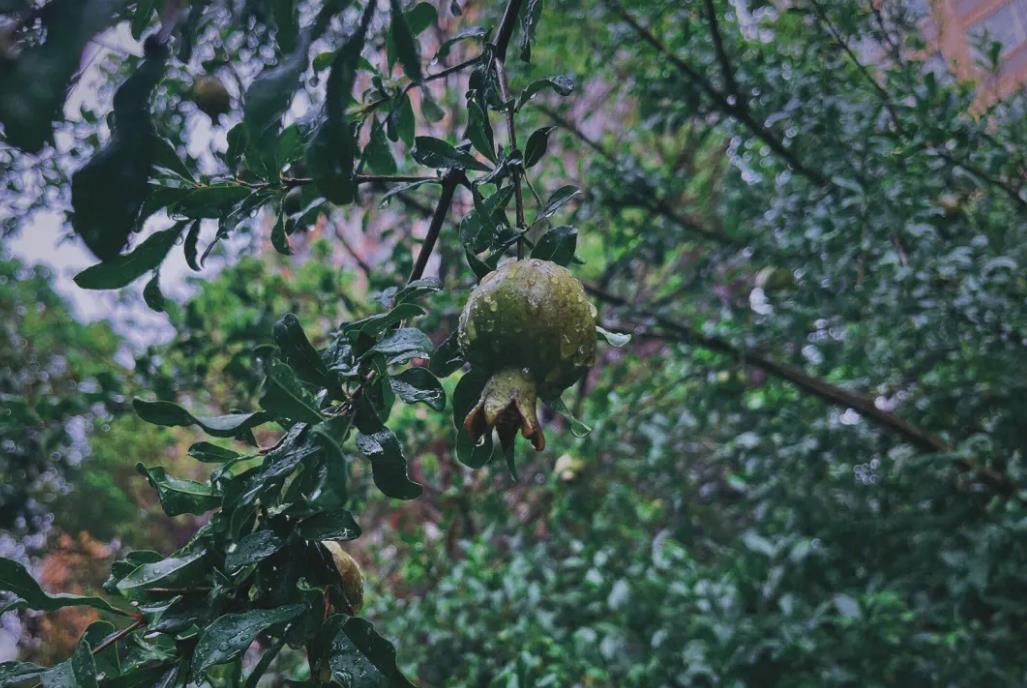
[(115, 637), (718, 44), (449, 184), (266, 659), (736, 110), (393, 179), (506, 27), (504, 93), (659, 206), (361, 263)]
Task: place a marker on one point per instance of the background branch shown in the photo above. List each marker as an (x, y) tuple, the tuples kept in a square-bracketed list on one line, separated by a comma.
[(808, 383)]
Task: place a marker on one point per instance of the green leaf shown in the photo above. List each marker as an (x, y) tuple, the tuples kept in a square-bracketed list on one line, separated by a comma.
[(169, 414), (474, 32), (337, 524), (79, 671), (141, 17), (189, 248), (433, 152), (360, 658), (14, 673), (563, 85), (465, 396), (106, 660), (42, 73), (178, 496), (15, 579), (557, 200), (371, 327), (403, 188), (401, 124), (447, 358), (557, 245), (251, 549), (152, 294), (403, 39), (332, 149), (211, 453), (229, 636), (120, 271), (479, 131), (285, 397), (177, 566), (212, 202), (420, 17), (480, 227), (298, 352), (418, 288), (279, 239), (122, 567), (578, 428), (379, 157), (404, 343), (286, 23), (536, 146), (388, 465), (478, 266), (614, 339), (417, 385), (166, 157), (268, 97), (430, 109), (529, 22)]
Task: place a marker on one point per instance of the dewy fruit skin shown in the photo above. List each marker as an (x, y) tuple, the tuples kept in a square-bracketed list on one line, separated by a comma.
[(531, 328)]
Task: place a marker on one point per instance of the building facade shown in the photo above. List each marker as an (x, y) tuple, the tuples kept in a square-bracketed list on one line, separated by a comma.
[(963, 30)]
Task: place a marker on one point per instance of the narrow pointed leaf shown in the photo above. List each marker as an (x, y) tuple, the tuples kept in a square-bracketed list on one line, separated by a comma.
[(121, 270)]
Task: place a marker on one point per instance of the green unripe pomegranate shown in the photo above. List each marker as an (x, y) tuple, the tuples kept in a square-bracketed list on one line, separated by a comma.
[(211, 97), (530, 327)]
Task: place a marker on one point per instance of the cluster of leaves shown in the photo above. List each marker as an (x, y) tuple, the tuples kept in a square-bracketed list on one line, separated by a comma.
[(257, 566), (57, 376)]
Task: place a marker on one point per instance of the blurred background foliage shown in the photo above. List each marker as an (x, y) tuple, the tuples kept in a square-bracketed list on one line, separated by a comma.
[(779, 203)]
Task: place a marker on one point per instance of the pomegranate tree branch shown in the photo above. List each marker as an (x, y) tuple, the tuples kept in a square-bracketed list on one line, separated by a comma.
[(818, 387), (449, 183), (513, 8), (733, 108), (659, 206), (115, 637)]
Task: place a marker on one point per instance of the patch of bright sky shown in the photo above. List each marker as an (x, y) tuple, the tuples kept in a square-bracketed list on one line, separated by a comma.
[(47, 239)]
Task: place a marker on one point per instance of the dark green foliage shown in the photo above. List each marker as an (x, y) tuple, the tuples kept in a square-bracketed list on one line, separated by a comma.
[(331, 150), (35, 83), (109, 190)]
